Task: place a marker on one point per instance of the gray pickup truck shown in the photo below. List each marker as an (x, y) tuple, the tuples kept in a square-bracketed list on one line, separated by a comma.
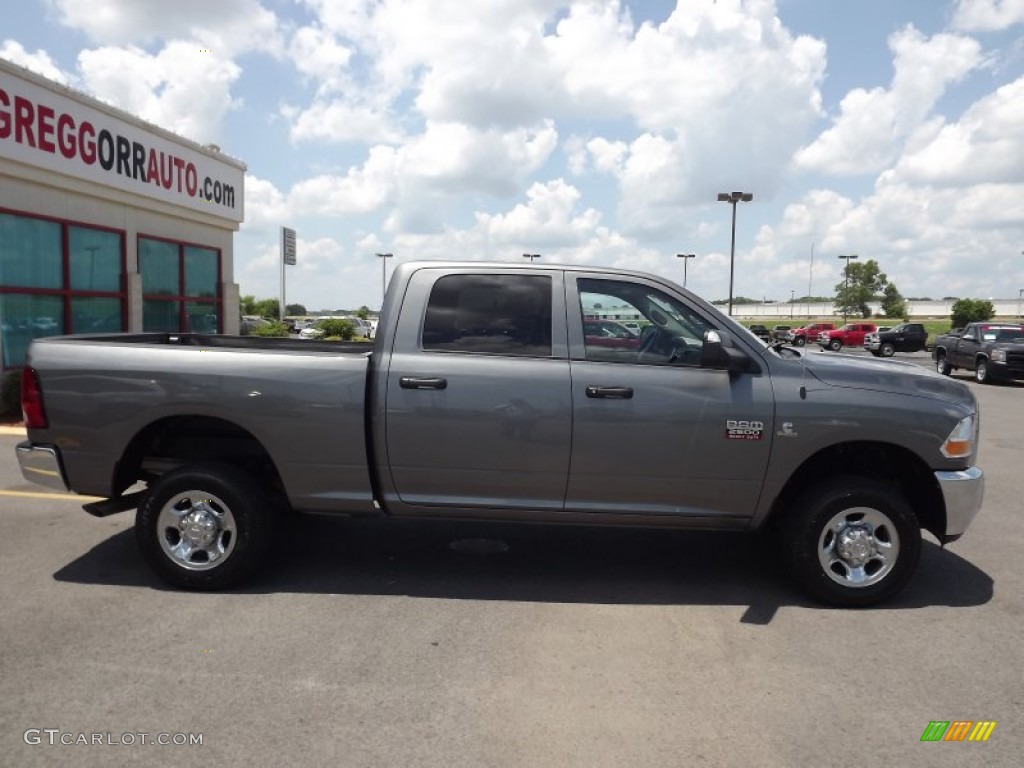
[(482, 397)]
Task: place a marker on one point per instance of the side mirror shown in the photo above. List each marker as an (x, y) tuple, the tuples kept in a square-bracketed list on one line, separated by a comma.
[(718, 352)]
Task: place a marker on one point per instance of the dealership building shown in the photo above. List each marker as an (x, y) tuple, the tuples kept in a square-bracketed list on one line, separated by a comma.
[(108, 223)]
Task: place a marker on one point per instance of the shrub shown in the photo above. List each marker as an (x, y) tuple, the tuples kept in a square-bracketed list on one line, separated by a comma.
[(971, 311), (336, 327), (270, 329)]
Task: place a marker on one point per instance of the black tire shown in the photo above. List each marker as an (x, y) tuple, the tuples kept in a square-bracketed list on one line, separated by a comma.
[(866, 513), (942, 364), (835, 345), (982, 373), (800, 341), (231, 522), (887, 349)]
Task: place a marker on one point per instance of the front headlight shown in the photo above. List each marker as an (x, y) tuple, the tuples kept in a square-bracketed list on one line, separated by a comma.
[(998, 356), (961, 440)]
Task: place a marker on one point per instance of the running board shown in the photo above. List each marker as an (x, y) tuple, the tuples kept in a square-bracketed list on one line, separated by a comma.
[(109, 507)]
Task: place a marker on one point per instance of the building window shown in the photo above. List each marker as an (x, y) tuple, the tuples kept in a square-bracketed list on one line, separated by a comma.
[(180, 286), (57, 277)]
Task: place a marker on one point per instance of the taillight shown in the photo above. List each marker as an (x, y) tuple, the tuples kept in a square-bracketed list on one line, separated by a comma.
[(32, 409)]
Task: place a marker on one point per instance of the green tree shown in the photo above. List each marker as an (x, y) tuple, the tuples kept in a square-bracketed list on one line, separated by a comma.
[(893, 304), (862, 281), (247, 304), (295, 309), (363, 313), (971, 311), (267, 308)]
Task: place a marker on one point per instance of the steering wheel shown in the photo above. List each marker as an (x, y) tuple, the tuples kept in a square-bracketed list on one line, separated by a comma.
[(648, 338)]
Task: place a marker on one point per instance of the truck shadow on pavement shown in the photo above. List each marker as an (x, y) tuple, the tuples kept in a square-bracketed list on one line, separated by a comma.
[(534, 563)]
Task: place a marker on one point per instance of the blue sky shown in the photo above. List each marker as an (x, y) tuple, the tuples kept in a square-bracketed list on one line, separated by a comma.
[(591, 132)]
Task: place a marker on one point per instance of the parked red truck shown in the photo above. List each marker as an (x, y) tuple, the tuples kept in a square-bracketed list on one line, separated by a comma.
[(799, 336), (850, 335)]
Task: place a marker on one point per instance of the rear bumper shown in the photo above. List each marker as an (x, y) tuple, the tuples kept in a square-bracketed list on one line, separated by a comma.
[(962, 491), (41, 464)]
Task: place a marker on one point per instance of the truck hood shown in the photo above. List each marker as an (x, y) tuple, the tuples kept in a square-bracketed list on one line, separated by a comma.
[(839, 370)]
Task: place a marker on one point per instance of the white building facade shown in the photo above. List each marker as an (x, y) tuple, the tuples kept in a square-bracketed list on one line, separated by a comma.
[(108, 223)]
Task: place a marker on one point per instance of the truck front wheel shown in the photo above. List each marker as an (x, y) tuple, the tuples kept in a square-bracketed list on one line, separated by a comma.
[(852, 541), (204, 527), (942, 364), (982, 373), (800, 341), (835, 345), (887, 349)]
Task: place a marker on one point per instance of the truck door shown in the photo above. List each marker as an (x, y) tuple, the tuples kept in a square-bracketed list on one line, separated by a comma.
[(653, 432), (478, 404), (967, 347)]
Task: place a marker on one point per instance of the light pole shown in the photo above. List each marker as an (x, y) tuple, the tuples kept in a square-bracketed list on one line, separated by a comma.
[(384, 275), (733, 198), (686, 260), (1020, 293), (846, 297), (792, 298), (531, 256)]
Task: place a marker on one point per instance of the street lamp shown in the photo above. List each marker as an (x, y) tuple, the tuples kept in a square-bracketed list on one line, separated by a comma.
[(531, 256), (733, 198), (686, 260), (792, 298), (846, 297), (384, 275), (1020, 293)]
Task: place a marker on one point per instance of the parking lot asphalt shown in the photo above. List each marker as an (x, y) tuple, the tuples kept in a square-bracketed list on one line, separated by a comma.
[(436, 644)]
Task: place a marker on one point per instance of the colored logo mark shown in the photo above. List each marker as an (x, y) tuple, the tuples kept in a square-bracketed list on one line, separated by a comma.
[(958, 730)]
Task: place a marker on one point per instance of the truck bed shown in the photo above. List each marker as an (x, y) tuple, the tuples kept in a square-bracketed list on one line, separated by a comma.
[(152, 391)]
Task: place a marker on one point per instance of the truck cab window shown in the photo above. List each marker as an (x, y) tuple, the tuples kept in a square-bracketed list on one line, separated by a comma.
[(490, 314), (671, 332)]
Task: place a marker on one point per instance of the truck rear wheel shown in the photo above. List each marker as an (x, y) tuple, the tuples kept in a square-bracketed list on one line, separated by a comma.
[(204, 527), (852, 541)]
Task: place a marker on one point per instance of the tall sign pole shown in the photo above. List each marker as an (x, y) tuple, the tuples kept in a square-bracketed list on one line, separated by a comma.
[(287, 257)]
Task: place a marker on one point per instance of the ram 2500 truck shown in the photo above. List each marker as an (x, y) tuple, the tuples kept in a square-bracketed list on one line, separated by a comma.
[(905, 337), (481, 398), (994, 351)]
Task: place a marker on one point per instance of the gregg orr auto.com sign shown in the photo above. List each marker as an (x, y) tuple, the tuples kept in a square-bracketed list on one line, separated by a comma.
[(47, 129)]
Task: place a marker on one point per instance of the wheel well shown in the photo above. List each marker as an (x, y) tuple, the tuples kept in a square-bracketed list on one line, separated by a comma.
[(879, 461), (171, 442)]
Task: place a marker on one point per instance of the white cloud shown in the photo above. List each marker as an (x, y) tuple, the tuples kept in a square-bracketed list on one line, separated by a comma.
[(548, 219), (873, 124), (986, 145), (338, 121), (226, 27), (361, 190), (38, 62), (178, 89), (987, 15)]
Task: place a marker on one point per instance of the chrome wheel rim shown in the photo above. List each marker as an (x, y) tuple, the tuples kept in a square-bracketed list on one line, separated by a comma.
[(196, 530), (858, 547)]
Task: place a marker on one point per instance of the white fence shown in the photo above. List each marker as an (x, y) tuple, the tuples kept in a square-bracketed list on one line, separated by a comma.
[(933, 309)]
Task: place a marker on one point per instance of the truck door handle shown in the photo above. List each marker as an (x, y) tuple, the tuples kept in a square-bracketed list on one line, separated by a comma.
[(414, 382), (612, 393)]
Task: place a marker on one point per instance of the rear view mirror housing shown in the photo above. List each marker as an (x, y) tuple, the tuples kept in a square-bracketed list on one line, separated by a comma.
[(719, 353)]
